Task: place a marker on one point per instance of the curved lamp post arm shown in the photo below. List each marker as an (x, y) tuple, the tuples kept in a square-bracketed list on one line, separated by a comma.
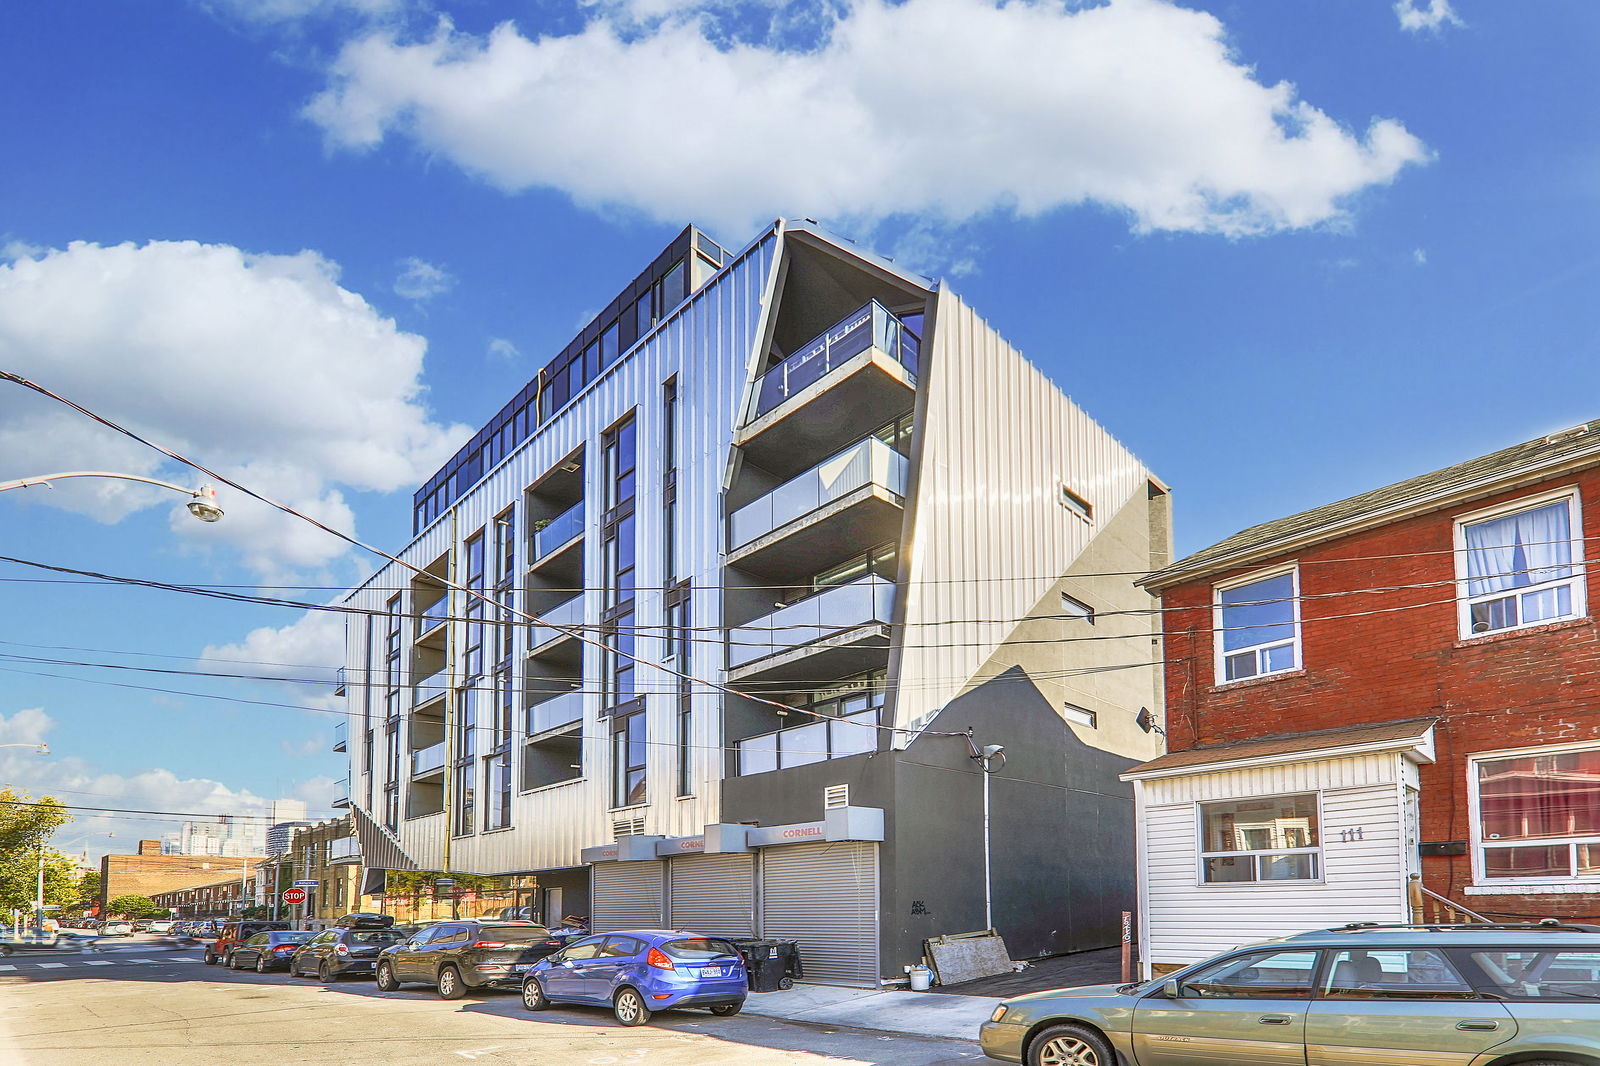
[(202, 502)]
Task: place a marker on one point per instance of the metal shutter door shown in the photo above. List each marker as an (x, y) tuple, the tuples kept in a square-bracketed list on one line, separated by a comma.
[(625, 895), (826, 897), (714, 894)]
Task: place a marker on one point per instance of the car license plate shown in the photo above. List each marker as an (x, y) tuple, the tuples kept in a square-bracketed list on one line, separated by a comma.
[(711, 971), (520, 969)]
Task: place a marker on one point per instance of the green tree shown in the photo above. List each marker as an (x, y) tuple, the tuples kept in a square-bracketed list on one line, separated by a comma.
[(26, 826), (133, 906), (88, 889)]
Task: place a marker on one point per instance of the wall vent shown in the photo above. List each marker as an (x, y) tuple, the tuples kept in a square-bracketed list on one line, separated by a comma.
[(630, 827), (835, 796)]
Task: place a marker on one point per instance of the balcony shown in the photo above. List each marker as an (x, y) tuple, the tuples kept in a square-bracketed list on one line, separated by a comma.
[(432, 617), (429, 760), (344, 850), (562, 710), (341, 734), (839, 631), (840, 506), (559, 532), (338, 683), (341, 792), (429, 688), (567, 615), (817, 741), (839, 387)]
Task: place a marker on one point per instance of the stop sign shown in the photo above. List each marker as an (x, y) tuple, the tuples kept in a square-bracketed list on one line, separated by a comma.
[(294, 895)]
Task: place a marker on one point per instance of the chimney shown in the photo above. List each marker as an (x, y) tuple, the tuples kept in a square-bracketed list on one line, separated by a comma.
[(149, 847)]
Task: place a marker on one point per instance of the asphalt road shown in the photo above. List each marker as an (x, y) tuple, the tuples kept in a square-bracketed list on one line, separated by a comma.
[(144, 1004)]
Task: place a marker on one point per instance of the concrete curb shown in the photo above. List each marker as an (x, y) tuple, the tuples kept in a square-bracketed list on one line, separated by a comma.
[(913, 1013)]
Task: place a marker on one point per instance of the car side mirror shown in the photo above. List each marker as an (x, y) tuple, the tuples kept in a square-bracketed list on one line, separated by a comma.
[(1171, 990)]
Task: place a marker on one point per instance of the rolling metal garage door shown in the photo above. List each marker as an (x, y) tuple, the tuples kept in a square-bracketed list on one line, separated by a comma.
[(625, 895), (714, 894), (826, 897)]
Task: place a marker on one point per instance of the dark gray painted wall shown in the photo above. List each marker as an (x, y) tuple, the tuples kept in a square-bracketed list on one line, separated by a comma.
[(1061, 827)]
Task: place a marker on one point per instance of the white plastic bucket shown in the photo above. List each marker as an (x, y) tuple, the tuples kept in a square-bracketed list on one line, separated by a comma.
[(921, 978)]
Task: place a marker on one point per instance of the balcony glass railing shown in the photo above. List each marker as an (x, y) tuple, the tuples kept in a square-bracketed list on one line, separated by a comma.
[(560, 529), (426, 760), (567, 615), (433, 614), (870, 327), (341, 734), (555, 713), (341, 792), (851, 734), (867, 599), (344, 849), (430, 687), (869, 462), (339, 677)]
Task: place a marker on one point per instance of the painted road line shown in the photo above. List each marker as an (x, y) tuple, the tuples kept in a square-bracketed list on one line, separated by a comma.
[(51, 965), (7, 967), (99, 962)]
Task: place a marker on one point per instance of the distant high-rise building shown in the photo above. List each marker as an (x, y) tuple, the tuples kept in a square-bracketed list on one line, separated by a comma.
[(281, 835)]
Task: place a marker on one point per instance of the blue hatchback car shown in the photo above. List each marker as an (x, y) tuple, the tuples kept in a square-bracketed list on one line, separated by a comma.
[(637, 972)]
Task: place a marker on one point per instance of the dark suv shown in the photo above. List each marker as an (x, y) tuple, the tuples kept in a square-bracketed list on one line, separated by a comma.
[(455, 956), (333, 953), (235, 933)]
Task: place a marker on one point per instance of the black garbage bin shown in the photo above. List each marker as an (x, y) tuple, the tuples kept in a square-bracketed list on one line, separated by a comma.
[(771, 964)]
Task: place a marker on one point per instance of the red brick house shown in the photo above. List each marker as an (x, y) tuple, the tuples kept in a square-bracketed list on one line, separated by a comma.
[(1403, 683)]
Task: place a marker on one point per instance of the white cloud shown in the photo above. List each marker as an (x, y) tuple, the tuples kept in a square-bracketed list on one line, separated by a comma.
[(1139, 106), (311, 647), (279, 11), (1433, 16), (260, 366), (421, 281), (501, 348), (76, 782), (1419, 256)]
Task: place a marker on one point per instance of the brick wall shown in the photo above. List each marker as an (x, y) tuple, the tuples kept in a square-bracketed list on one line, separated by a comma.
[(1509, 690), (147, 875)]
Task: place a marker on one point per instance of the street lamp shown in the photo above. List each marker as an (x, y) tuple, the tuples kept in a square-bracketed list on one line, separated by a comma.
[(44, 749), (202, 501), (990, 759)]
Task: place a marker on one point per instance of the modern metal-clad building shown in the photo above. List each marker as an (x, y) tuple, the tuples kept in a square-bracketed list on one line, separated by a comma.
[(692, 630)]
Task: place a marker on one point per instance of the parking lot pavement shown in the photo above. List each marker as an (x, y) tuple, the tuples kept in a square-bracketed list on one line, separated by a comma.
[(915, 1013), (170, 1010)]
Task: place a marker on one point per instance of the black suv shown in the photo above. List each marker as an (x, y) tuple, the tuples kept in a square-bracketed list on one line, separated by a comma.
[(455, 956), (351, 948)]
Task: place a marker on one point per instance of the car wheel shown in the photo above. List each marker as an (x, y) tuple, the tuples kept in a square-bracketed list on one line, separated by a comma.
[(211, 960), (785, 983), (261, 964), (1069, 1045), (450, 984), (533, 995), (727, 1010), (384, 978), (230, 961), (325, 973), (629, 1007)]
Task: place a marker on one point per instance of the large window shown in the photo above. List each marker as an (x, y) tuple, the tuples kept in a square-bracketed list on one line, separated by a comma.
[(1272, 838), (628, 756), (1520, 569), (1538, 815), (1258, 627), (619, 553)]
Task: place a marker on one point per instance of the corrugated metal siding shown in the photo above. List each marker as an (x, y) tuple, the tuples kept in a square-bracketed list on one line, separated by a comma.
[(713, 894), (1364, 880), (625, 895), (826, 897), (709, 344), (996, 440)]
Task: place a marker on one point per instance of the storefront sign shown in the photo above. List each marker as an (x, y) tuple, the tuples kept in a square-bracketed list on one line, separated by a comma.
[(796, 833), (681, 846)]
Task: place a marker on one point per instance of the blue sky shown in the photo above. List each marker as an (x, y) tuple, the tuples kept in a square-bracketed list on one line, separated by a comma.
[(1285, 250)]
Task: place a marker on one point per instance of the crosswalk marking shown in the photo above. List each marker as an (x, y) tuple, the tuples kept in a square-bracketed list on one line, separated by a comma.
[(99, 962), (52, 966), (7, 967)]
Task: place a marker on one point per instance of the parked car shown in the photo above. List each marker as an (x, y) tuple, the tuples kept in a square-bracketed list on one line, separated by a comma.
[(641, 971), (117, 928), (160, 925), (232, 934), (268, 950), (333, 953), (455, 956), (1359, 993)]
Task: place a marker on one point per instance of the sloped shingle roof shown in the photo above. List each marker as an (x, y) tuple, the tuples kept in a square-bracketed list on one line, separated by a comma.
[(1482, 475), (1290, 744)]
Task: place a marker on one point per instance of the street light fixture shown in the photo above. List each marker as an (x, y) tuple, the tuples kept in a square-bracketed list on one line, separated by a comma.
[(44, 749), (202, 501)]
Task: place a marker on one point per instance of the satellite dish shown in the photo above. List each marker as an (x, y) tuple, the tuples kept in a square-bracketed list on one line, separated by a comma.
[(1147, 721)]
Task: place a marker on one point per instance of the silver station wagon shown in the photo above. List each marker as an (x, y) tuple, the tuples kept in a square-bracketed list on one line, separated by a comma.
[(1384, 995)]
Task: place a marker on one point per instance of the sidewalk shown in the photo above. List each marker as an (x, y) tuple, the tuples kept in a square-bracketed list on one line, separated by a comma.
[(916, 1013)]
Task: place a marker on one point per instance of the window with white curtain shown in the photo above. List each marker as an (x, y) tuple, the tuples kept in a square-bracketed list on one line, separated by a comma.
[(1536, 814), (1520, 568)]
